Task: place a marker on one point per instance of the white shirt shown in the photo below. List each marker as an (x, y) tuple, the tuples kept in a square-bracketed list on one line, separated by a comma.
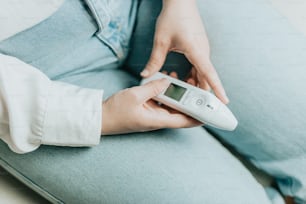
[(33, 109)]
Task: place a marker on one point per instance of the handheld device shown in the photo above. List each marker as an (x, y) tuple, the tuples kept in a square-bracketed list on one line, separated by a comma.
[(195, 102)]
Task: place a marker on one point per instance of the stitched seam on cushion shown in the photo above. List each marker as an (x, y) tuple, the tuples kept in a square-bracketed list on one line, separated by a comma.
[(291, 185), (27, 180)]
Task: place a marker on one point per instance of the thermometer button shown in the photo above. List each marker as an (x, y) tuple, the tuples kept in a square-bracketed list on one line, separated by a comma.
[(198, 101)]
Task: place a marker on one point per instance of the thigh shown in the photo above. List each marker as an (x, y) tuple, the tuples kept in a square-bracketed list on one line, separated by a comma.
[(167, 166), (79, 37), (260, 57), (110, 80), (70, 48), (142, 42)]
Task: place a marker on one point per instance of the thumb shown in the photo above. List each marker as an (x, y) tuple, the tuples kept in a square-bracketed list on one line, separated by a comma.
[(152, 89), (157, 59)]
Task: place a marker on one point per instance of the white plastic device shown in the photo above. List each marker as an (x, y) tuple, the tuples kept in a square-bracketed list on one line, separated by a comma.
[(195, 102)]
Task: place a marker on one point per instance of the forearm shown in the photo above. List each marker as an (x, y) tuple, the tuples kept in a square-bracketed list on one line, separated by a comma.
[(168, 2), (180, 5)]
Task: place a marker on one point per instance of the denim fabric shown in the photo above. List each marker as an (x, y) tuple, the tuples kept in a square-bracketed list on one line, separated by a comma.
[(80, 44), (261, 59), (167, 166), (77, 39)]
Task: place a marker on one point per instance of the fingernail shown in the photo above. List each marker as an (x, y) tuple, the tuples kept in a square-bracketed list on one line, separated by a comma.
[(144, 73), (165, 81), (226, 99)]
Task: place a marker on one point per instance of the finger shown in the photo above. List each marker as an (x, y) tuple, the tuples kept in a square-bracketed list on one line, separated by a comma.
[(214, 83), (192, 77), (165, 118), (193, 72), (189, 75), (151, 104), (203, 84), (207, 72), (157, 58), (191, 81), (179, 120), (151, 89), (195, 75), (174, 75), (165, 72)]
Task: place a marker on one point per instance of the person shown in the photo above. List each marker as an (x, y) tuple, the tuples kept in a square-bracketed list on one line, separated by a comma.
[(56, 63), (143, 115)]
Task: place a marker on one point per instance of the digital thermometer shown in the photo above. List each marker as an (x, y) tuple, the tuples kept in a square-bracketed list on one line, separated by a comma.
[(195, 102)]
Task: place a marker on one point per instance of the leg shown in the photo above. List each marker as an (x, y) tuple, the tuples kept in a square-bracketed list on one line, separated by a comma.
[(260, 57), (169, 166)]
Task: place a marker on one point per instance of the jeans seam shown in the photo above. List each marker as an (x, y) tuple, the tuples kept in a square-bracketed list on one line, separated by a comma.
[(96, 9), (92, 4)]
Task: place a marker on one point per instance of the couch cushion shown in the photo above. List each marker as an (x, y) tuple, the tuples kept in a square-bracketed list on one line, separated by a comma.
[(261, 58)]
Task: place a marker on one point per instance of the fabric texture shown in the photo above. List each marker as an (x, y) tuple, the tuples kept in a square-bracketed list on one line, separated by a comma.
[(19, 15), (49, 111), (166, 166), (36, 110), (260, 58)]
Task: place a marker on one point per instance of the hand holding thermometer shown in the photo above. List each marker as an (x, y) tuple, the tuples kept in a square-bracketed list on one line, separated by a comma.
[(195, 102)]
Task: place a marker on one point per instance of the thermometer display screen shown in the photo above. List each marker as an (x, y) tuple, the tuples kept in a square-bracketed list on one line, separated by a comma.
[(175, 92)]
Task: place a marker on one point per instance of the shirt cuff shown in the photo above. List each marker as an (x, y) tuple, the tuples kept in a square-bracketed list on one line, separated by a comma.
[(73, 116)]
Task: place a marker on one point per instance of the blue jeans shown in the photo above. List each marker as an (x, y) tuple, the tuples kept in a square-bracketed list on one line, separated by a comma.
[(81, 46)]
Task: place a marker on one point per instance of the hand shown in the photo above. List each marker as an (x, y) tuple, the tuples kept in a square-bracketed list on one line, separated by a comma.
[(193, 79), (132, 110), (180, 28)]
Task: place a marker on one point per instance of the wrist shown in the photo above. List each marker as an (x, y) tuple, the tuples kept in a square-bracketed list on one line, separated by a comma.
[(179, 6), (104, 125)]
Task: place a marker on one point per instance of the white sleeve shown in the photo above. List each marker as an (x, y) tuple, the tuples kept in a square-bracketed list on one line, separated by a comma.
[(35, 110)]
